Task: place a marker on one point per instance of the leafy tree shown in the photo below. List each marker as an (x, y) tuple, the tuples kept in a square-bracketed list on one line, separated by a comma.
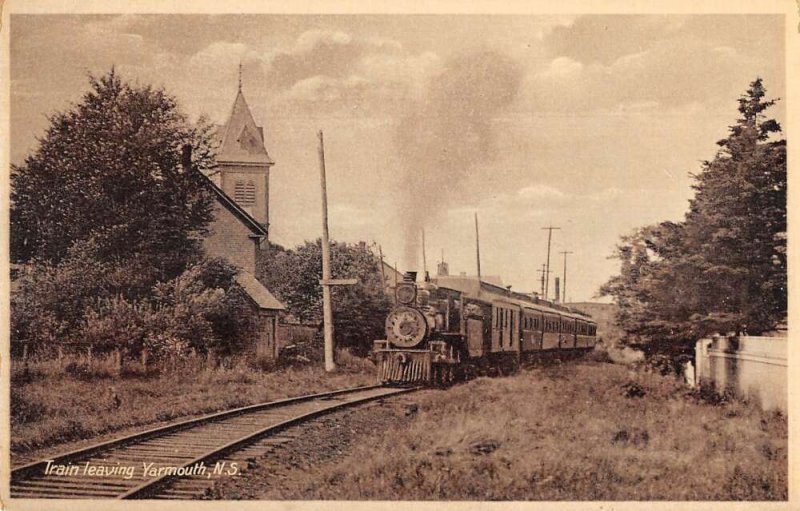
[(110, 226), (359, 310), (107, 174), (724, 267)]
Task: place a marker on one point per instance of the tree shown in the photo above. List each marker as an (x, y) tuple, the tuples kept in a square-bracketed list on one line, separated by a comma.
[(359, 310), (107, 175), (724, 267), (110, 225)]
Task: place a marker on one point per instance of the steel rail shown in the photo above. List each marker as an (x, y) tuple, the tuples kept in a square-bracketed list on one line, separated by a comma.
[(37, 468), (152, 487)]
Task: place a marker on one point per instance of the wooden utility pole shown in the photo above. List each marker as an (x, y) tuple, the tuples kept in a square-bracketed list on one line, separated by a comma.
[(542, 271), (424, 259), (383, 273), (477, 246), (549, 230), (327, 282), (564, 280)]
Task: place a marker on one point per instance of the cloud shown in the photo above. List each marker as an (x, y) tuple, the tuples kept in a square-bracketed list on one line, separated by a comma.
[(324, 70), (604, 39), (540, 191), (635, 63), (336, 70), (669, 74)]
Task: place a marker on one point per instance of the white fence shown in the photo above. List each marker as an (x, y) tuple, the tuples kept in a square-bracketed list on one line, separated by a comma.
[(752, 367)]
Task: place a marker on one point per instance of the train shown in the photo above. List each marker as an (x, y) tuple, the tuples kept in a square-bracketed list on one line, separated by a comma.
[(447, 328)]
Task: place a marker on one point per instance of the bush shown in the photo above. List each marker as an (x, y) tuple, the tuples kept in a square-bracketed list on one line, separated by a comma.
[(203, 309)]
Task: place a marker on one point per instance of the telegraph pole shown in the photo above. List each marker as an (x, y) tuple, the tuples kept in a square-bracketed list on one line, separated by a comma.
[(383, 273), (327, 282), (542, 271), (424, 259), (549, 230), (564, 282), (477, 246)]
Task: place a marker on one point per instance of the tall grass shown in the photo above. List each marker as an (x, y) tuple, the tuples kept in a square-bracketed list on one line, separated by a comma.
[(570, 432), (76, 398)]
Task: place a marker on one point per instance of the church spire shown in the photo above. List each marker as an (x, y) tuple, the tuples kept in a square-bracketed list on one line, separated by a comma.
[(240, 75)]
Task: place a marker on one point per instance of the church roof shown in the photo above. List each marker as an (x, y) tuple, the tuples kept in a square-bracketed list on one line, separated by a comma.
[(257, 292), (241, 140)]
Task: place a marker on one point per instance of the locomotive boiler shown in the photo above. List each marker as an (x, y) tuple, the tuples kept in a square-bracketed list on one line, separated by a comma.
[(445, 328)]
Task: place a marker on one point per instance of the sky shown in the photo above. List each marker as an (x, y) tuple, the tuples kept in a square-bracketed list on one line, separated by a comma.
[(593, 124)]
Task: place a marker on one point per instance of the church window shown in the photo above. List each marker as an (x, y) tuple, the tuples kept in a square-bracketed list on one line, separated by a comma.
[(244, 193)]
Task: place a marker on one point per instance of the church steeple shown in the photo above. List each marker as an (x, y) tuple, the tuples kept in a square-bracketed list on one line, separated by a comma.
[(243, 160)]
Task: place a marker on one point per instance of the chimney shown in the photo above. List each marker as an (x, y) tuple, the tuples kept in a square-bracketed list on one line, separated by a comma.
[(443, 269), (558, 290)]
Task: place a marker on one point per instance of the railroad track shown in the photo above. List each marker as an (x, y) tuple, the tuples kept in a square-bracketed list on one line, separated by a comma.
[(180, 461)]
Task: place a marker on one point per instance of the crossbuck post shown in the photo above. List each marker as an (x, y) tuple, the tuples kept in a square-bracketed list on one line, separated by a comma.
[(327, 281)]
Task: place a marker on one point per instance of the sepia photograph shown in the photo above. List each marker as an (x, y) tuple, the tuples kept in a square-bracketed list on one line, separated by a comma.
[(322, 256)]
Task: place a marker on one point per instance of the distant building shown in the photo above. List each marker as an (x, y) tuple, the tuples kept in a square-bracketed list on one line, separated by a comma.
[(240, 227)]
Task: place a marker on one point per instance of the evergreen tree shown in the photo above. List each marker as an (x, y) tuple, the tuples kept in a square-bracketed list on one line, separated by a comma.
[(736, 225), (724, 267)]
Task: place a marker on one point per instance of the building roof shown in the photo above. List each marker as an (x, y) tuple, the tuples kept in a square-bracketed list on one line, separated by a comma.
[(257, 292), (241, 140)]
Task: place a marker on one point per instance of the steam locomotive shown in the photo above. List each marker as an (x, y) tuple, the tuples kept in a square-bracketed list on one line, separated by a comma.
[(447, 327)]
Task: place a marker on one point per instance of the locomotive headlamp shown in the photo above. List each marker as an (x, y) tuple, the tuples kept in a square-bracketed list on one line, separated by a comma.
[(406, 293)]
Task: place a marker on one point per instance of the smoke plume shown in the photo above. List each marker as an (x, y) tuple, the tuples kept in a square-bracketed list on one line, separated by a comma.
[(448, 134)]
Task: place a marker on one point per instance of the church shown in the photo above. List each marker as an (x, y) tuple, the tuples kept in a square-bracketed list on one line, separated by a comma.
[(240, 228)]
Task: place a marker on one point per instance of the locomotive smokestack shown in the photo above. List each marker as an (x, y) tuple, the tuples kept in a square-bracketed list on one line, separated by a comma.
[(558, 289)]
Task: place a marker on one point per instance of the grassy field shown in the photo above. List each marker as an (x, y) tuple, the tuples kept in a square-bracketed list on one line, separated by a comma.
[(55, 403), (579, 431)]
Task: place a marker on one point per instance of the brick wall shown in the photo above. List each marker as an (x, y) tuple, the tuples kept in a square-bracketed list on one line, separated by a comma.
[(229, 238)]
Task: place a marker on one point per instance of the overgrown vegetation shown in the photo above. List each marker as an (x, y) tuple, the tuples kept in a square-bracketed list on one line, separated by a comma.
[(577, 431), (53, 401), (107, 227), (724, 267)]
